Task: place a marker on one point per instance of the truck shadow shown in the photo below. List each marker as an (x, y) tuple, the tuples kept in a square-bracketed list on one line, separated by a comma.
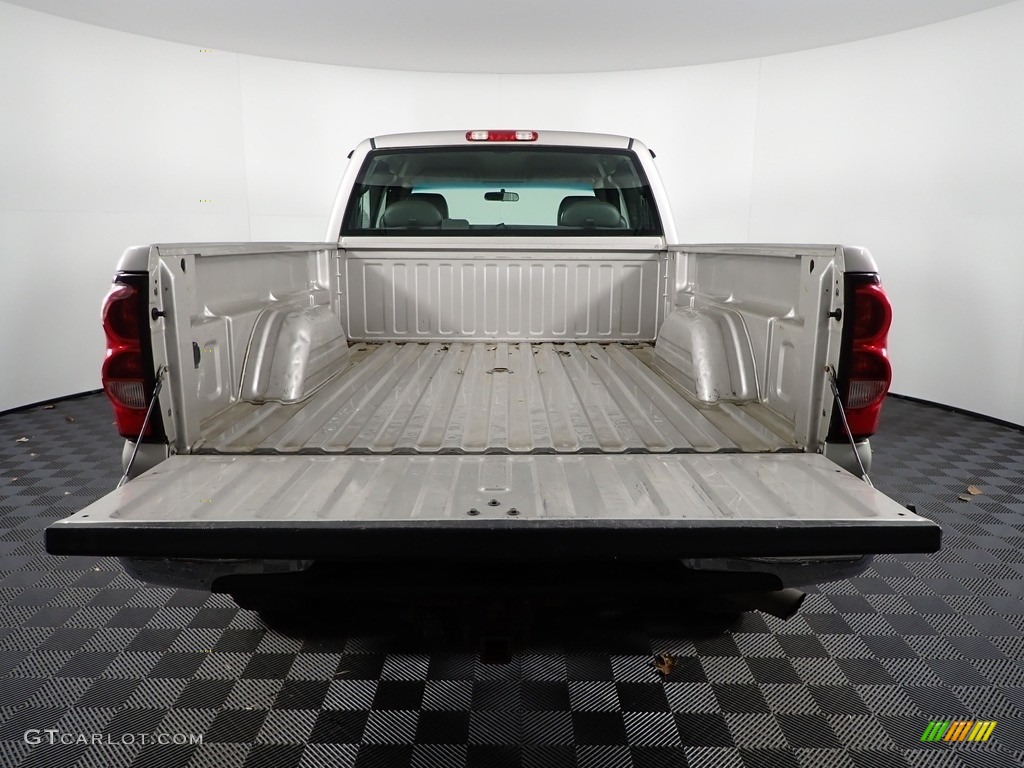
[(497, 608), (496, 631), (489, 604)]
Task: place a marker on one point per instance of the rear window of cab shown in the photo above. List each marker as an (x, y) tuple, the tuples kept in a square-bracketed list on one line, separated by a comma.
[(501, 190)]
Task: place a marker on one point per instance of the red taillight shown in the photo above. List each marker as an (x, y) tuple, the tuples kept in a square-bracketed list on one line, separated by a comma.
[(501, 135), (120, 313), (124, 372), (865, 373), (872, 313)]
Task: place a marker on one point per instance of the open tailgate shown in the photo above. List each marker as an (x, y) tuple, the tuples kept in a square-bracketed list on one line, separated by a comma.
[(391, 507)]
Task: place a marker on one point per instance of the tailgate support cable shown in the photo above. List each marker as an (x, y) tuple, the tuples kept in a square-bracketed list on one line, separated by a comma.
[(145, 423), (831, 372)]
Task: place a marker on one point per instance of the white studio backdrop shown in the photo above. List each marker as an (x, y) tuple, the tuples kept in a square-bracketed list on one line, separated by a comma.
[(910, 144)]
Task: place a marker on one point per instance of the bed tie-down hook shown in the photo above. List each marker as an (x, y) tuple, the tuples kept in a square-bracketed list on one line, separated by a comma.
[(160, 373), (833, 382)]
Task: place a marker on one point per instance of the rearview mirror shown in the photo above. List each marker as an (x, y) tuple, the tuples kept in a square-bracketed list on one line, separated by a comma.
[(502, 196)]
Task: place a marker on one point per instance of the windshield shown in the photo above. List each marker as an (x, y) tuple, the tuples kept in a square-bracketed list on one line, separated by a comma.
[(505, 190)]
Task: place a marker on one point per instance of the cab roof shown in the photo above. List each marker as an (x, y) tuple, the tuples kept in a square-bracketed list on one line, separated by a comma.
[(458, 138)]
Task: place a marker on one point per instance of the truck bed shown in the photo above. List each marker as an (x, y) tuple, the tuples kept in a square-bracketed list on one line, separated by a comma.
[(305, 428), (478, 397)]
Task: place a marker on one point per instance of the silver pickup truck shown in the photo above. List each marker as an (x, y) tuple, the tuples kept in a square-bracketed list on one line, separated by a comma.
[(499, 371)]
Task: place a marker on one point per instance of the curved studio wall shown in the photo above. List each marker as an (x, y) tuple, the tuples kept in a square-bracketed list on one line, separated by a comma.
[(908, 144)]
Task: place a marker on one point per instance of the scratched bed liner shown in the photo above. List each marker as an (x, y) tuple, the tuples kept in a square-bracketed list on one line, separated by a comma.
[(478, 397)]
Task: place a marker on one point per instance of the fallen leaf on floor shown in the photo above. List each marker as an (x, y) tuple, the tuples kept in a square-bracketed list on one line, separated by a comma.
[(974, 490), (963, 497), (565, 352), (498, 370), (47, 407), (22, 440), (69, 419), (593, 357), (664, 663)]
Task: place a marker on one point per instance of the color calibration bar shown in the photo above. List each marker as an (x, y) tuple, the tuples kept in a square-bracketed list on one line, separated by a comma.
[(958, 730)]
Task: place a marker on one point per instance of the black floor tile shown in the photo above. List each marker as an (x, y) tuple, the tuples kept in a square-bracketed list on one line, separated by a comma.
[(398, 694), (642, 697), (384, 756), (339, 727), (851, 681), (439, 727), (302, 694), (204, 694), (703, 729), (598, 728), (543, 695)]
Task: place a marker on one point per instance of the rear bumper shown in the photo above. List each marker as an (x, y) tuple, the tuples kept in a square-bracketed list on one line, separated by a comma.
[(495, 539), (749, 574)]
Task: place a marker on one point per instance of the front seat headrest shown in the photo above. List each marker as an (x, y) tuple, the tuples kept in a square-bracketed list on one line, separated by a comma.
[(411, 214), (591, 213), (434, 198), (569, 200)]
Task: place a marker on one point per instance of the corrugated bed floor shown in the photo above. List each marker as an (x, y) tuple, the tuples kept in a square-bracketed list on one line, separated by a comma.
[(111, 667), (494, 398)]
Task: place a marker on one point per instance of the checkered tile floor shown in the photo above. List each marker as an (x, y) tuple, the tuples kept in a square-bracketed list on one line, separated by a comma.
[(102, 665)]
